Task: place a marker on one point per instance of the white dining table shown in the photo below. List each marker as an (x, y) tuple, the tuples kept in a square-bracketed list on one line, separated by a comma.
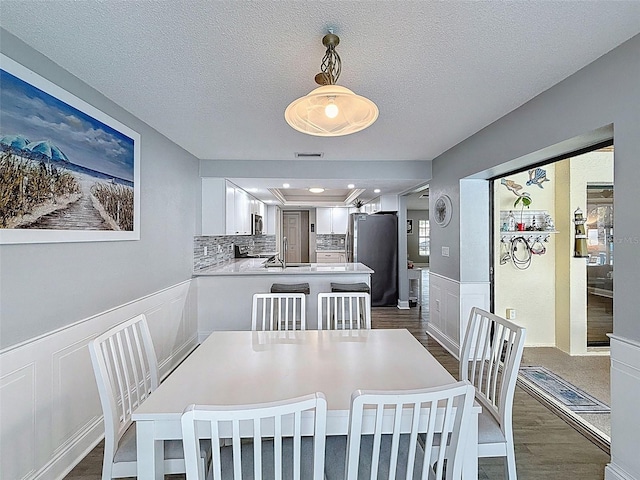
[(244, 367)]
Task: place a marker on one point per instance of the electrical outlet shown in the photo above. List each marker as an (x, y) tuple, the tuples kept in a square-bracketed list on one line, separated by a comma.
[(206, 251), (445, 251), (511, 313)]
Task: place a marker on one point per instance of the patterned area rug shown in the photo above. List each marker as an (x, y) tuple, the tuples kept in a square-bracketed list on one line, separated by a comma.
[(572, 397)]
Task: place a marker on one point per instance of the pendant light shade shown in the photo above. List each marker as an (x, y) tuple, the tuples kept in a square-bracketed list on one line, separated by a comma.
[(330, 110)]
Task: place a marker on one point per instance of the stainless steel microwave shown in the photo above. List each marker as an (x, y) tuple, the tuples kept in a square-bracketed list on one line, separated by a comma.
[(256, 224)]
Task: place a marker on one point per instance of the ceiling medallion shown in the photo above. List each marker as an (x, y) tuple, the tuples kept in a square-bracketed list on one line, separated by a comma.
[(330, 110)]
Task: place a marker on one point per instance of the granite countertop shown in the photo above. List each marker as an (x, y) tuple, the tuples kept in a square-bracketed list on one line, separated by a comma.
[(255, 266), (330, 251)]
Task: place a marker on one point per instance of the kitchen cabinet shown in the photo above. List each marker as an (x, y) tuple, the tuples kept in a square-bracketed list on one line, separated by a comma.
[(273, 220), (330, 257), (226, 208), (242, 213), (384, 203), (332, 220)]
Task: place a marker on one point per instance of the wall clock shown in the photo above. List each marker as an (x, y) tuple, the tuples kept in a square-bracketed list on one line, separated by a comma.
[(442, 213)]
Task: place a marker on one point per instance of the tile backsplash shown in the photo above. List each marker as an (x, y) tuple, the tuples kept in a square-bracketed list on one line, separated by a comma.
[(330, 242), (220, 248)]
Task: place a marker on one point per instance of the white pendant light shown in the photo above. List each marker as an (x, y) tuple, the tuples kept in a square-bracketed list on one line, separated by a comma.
[(330, 110)]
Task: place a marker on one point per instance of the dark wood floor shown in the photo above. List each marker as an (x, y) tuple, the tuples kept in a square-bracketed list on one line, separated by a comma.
[(546, 447), (599, 320)]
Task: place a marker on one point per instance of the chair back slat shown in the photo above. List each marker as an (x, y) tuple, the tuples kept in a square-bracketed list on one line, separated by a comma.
[(490, 359), (397, 431), (344, 311), (271, 435), (126, 371), (278, 311)]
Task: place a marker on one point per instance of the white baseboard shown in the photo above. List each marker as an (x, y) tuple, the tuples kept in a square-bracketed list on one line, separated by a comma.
[(403, 305), (447, 343), (48, 385)]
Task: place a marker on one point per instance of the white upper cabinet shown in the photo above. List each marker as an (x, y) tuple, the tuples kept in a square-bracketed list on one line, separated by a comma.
[(226, 208), (384, 203), (323, 220), (332, 220), (340, 217), (230, 210), (243, 212), (272, 220)]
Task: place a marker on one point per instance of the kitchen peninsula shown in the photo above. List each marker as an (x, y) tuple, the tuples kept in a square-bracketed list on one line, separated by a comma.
[(225, 291)]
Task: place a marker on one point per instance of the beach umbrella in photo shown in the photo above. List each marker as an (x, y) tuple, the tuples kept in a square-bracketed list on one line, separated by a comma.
[(47, 149), (17, 142)]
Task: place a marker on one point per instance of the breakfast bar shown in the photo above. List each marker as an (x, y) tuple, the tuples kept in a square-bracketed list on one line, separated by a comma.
[(225, 291)]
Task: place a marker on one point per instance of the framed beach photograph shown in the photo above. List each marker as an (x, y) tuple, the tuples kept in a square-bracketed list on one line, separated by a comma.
[(68, 172)]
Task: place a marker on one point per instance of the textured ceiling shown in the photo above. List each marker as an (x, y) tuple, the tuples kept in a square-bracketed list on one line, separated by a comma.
[(216, 76)]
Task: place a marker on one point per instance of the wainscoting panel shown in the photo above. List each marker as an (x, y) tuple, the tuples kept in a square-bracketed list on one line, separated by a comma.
[(76, 408), (625, 421), (51, 415), (450, 303), (18, 420)]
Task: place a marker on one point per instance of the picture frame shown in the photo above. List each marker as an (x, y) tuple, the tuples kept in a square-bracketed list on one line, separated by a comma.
[(70, 172), (409, 227)]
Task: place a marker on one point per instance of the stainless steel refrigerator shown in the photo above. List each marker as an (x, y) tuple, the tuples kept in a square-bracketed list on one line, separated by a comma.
[(373, 241)]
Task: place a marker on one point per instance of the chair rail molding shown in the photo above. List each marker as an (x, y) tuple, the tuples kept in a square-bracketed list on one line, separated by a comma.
[(625, 384), (51, 415), (450, 302)]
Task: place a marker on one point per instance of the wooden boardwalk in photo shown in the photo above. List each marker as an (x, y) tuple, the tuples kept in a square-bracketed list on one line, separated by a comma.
[(79, 215)]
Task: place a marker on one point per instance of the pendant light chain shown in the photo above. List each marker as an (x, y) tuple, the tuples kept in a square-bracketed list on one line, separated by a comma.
[(331, 65)]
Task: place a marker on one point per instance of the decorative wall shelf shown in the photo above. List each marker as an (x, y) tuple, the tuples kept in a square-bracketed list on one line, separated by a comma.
[(529, 218)]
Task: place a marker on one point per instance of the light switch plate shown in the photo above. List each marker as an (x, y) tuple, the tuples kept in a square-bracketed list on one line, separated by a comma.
[(445, 251)]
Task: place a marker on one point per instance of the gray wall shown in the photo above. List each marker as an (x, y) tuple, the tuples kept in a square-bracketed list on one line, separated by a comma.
[(413, 246), (46, 286), (576, 111), (354, 170)]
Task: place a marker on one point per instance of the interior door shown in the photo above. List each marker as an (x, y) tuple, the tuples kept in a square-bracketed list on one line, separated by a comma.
[(291, 222)]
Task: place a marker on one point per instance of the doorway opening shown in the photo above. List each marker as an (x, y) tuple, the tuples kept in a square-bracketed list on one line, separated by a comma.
[(564, 301)]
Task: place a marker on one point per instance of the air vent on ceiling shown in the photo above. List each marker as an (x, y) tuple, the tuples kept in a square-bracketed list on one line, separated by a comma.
[(309, 155)]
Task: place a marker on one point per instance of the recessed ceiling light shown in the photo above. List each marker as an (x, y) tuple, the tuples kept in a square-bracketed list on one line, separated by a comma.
[(351, 185), (316, 190), (377, 190), (285, 185)]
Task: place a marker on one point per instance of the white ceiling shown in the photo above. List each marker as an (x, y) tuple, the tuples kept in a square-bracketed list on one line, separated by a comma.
[(216, 76)]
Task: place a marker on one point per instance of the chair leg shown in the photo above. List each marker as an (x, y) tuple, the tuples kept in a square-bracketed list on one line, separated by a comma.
[(510, 464)]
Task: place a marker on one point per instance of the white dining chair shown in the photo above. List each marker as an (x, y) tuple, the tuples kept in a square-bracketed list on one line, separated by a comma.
[(277, 440), (390, 431), (126, 370), (344, 311), (489, 360), (279, 311)]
